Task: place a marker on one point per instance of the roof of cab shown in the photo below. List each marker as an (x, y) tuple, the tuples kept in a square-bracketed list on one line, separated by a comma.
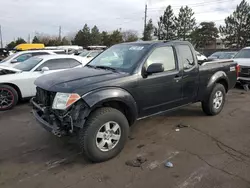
[(58, 56), (158, 42)]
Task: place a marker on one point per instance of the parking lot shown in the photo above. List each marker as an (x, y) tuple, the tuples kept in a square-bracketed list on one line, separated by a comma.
[(207, 152)]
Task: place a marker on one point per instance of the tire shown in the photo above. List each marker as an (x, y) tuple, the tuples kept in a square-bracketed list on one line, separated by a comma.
[(6, 90), (208, 105), (88, 136)]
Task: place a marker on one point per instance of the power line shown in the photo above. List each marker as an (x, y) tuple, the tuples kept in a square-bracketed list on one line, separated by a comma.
[(191, 5)]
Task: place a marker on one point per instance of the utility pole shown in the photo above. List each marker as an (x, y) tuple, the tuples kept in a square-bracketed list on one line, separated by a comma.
[(1, 38), (145, 18), (60, 33), (29, 38)]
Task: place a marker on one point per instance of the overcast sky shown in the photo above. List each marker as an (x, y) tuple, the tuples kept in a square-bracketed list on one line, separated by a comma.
[(19, 18)]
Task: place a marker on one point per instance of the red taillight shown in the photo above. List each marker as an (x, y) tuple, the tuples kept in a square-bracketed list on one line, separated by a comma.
[(237, 70)]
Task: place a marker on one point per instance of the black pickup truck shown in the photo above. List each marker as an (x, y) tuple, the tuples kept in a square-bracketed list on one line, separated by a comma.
[(125, 83)]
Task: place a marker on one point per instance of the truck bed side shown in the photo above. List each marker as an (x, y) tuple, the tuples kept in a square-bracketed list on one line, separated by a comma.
[(223, 72)]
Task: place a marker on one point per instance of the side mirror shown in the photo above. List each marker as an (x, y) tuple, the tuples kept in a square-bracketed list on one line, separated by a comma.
[(89, 56), (44, 69), (155, 68), (14, 61)]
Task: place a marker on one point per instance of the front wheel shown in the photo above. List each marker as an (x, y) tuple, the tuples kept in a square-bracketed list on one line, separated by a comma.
[(214, 103), (8, 97), (104, 134)]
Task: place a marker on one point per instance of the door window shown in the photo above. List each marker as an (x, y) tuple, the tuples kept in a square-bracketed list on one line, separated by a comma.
[(73, 62), (186, 56), (164, 55), (23, 57), (55, 64)]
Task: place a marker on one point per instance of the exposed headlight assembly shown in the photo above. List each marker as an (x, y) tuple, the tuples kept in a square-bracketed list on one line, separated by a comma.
[(64, 100)]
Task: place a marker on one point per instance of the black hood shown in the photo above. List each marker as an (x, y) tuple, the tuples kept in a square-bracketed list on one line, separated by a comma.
[(70, 80)]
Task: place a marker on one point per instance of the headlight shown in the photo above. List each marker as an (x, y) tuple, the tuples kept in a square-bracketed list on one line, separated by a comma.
[(64, 100)]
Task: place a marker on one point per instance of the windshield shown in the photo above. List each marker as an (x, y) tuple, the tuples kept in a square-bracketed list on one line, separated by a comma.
[(8, 58), (121, 57), (84, 53), (28, 64), (245, 53)]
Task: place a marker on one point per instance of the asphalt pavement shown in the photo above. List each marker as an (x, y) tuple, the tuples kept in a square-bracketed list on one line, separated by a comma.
[(206, 152)]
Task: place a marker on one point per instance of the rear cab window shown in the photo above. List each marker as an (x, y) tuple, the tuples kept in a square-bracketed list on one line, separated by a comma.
[(186, 56)]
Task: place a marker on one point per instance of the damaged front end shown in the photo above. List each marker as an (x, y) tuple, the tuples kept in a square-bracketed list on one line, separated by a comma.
[(58, 121)]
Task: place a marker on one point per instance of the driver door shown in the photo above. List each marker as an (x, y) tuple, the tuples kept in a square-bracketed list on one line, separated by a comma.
[(160, 91)]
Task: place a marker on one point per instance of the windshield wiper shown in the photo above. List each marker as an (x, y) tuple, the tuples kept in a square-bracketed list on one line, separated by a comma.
[(107, 68), (91, 66)]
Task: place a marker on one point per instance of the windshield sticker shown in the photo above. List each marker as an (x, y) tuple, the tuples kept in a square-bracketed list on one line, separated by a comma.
[(136, 48)]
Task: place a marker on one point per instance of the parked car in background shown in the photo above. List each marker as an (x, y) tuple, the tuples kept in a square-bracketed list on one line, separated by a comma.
[(88, 55), (125, 83), (222, 55), (214, 56), (4, 53), (228, 55), (243, 60), (19, 57), (201, 58), (17, 82)]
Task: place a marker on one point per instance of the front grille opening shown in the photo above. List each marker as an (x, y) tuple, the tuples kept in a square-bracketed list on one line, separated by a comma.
[(44, 97)]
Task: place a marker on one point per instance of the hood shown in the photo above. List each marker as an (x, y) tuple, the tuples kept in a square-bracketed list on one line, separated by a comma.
[(70, 80), (9, 68), (242, 61)]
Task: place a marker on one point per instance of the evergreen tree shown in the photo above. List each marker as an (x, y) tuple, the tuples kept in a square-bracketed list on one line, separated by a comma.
[(237, 25), (148, 32), (185, 23)]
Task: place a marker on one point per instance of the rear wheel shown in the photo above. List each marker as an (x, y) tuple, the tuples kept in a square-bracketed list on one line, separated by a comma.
[(8, 97), (104, 134), (214, 103)]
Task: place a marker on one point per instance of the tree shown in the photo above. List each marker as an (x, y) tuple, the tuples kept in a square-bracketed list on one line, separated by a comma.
[(13, 44), (237, 25), (159, 30), (115, 37), (65, 41), (166, 25), (129, 36), (83, 37), (96, 38), (35, 40), (185, 23), (205, 34), (148, 32), (105, 38)]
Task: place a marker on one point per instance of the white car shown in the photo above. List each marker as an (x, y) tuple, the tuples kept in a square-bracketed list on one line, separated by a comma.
[(17, 82), (88, 55), (200, 57), (243, 60), (19, 57)]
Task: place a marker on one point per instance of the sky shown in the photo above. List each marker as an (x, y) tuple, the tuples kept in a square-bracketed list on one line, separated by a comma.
[(21, 18)]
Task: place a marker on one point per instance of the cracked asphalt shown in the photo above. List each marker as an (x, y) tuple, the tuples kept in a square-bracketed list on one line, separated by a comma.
[(211, 152)]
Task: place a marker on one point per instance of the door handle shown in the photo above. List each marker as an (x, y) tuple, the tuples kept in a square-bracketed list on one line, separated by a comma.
[(177, 78)]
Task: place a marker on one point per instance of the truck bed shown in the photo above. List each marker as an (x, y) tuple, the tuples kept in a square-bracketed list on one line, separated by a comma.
[(227, 67)]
